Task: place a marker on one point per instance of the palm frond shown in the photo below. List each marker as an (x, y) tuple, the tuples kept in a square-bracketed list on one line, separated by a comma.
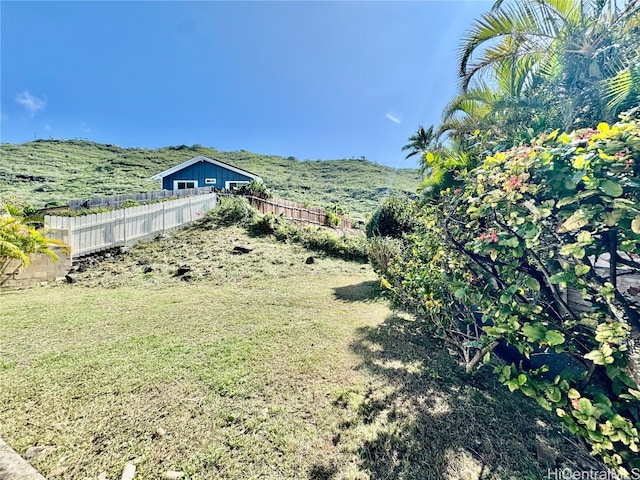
[(618, 88)]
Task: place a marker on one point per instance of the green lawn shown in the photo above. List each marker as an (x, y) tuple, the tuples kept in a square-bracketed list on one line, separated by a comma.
[(265, 368)]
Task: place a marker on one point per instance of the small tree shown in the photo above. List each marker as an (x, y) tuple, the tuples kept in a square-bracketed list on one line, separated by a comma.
[(19, 242)]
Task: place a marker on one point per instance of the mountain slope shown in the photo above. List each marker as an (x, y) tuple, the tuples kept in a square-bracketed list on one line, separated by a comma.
[(50, 172)]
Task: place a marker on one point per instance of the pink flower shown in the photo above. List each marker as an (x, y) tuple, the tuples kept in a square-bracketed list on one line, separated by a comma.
[(513, 183), (490, 237), (585, 134)]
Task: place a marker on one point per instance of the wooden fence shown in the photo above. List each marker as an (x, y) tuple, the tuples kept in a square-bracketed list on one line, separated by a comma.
[(295, 211), (93, 233), (115, 201)]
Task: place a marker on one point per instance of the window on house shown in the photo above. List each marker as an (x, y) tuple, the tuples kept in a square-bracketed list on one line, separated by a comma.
[(183, 184), (234, 185)]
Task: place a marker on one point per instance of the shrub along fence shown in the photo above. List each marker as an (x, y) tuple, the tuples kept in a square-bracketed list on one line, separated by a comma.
[(295, 211), (93, 233), (115, 201)]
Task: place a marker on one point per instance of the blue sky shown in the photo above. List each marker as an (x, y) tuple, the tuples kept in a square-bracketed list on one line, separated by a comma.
[(313, 80)]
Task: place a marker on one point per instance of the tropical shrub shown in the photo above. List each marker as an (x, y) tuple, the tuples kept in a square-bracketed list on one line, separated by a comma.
[(348, 247), (232, 211), (395, 217), (496, 260), (384, 252), (254, 188), (19, 241), (419, 273)]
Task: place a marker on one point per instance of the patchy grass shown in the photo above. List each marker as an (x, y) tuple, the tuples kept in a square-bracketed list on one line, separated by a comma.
[(258, 366)]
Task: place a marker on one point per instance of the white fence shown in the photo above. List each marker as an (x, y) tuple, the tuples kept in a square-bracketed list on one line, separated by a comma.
[(93, 233)]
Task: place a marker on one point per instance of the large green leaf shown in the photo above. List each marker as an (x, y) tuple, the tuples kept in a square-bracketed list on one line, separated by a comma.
[(611, 188), (534, 331), (553, 338), (574, 222), (582, 270)]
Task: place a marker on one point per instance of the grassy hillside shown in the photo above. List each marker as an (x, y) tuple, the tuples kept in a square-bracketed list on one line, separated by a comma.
[(50, 172)]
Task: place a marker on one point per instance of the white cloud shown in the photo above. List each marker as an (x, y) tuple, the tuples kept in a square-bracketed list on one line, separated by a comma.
[(32, 103), (394, 118)]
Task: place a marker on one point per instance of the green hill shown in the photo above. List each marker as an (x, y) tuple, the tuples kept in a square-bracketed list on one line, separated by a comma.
[(50, 172)]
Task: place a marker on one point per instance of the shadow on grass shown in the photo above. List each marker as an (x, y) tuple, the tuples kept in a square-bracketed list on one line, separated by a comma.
[(430, 421), (360, 292)]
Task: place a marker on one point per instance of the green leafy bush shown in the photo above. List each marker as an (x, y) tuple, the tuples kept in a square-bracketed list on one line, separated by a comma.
[(232, 211), (335, 213), (348, 247), (16, 207), (333, 220), (394, 218), (128, 203), (272, 224), (352, 247), (384, 252), (496, 261), (254, 188)]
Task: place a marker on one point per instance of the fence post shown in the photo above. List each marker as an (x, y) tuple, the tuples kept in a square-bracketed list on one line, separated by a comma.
[(124, 217), (163, 219), (69, 233), (112, 233)]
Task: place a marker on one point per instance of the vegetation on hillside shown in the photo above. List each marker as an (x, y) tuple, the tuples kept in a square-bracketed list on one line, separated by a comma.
[(59, 170), (238, 211), (514, 214)]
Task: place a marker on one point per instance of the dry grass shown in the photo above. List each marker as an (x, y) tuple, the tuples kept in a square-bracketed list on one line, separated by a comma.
[(264, 368)]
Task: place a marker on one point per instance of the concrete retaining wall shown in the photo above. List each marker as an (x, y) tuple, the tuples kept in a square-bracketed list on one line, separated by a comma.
[(41, 269), (14, 467)]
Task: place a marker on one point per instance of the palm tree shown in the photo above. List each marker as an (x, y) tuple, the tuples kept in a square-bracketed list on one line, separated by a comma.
[(420, 141), (568, 49), (506, 111), (18, 243)]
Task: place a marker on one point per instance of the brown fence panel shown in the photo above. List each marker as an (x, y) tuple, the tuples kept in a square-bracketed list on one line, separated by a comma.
[(294, 211)]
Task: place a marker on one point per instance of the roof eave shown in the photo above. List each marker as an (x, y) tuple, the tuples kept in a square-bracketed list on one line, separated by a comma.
[(200, 158)]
